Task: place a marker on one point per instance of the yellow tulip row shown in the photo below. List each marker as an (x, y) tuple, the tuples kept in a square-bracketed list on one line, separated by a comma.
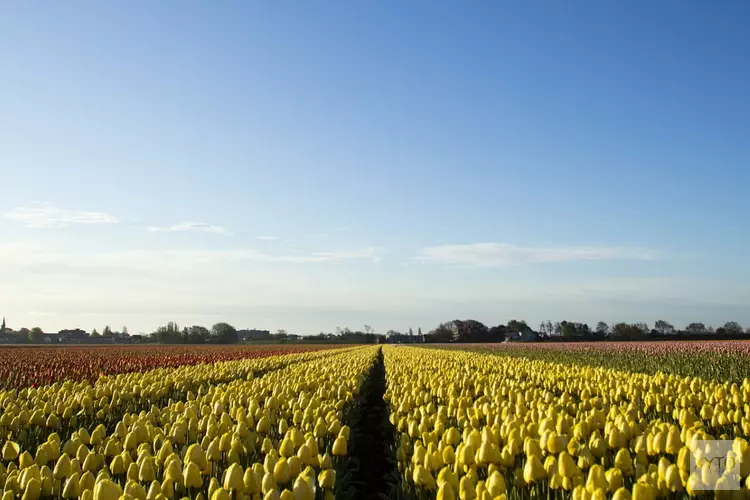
[(473, 425), (280, 433), (69, 403)]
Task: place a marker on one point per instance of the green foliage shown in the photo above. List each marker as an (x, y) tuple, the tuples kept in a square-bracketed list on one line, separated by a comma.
[(224, 333), (698, 359), (36, 335)]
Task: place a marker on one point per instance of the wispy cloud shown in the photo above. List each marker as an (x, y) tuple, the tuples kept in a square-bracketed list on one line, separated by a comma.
[(505, 254), (42, 214), (371, 254), (190, 226), (19, 254), (267, 238)]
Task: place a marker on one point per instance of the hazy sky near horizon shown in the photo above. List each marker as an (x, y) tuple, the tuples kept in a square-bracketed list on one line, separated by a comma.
[(307, 165)]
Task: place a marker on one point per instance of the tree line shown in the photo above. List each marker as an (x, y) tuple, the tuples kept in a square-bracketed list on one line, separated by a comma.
[(171, 333), (36, 335), (475, 331)]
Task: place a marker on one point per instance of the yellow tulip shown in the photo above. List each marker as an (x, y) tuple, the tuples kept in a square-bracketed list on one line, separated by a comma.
[(192, 475), (272, 495), (86, 482), (25, 460), (135, 490), (339, 446), (565, 465), (220, 494), (71, 488), (154, 491), (196, 455), (264, 425), (614, 479), (107, 490), (33, 489), (147, 470), (302, 490), (62, 467), (327, 478), (281, 471), (621, 494), (496, 484), (268, 483), (234, 478), (445, 492), (624, 462), (596, 479), (533, 470), (423, 478), (467, 489)]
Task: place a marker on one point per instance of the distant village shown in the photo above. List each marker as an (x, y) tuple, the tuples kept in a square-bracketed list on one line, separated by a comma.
[(79, 336)]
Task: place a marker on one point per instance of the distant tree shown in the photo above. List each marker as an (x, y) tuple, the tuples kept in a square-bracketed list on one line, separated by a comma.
[(198, 334), (543, 328), (107, 332), (281, 334), (643, 327), (124, 331), (732, 328), (550, 328), (519, 327), (625, 331), (411, 332), (696, 328), (443, 333), (496, 333), (168, 334), (557, 329), (568, 330), (94, 333), (2, 327), (710, 330), (469, 330), (36, 335), (582, 330), (663, 327), (602, 329), (224, 333), (368, 329)]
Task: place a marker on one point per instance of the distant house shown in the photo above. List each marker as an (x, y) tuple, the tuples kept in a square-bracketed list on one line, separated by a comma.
[(76, 336), (51, 338), (8, 337), (99, 340), (253, 334), (527, 336)]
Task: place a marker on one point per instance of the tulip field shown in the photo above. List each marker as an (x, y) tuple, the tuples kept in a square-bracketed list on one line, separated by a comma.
[(261, 426), (511, 422), (22, 366), (493, 423)]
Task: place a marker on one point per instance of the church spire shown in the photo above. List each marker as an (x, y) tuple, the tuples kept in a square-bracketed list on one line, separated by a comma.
[(2, 329)]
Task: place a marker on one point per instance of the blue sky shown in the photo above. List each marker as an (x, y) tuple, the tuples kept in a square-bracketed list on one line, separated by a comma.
[(310, 165)]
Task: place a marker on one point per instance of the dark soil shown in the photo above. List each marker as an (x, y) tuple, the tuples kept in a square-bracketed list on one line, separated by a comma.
[(374, 443)]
